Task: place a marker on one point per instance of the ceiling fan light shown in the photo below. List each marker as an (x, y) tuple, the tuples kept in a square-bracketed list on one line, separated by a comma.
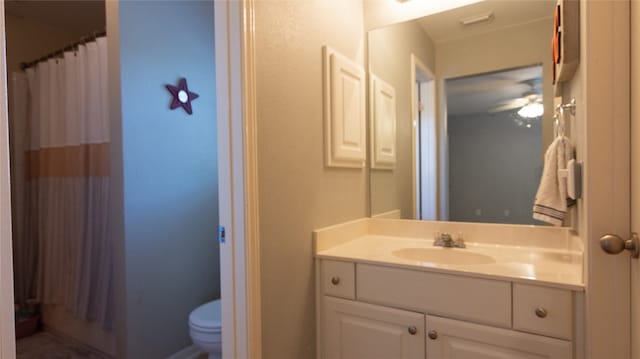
[(531, 110)]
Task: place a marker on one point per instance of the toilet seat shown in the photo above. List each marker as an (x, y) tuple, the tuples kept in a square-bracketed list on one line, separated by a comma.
[(205, 328), (206, 317)]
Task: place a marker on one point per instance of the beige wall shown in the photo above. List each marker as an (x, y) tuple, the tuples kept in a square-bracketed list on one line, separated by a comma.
[(297, 192), (576, 130), (390, 50), (28, 40)]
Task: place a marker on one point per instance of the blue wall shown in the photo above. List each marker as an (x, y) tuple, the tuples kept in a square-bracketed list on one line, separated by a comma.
[(495, 164), (169, 171)]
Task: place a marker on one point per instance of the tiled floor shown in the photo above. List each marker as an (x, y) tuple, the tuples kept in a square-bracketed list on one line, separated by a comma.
[(44, 345)]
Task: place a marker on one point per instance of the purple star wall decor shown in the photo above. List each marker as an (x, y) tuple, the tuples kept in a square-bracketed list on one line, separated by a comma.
[(182, 96)]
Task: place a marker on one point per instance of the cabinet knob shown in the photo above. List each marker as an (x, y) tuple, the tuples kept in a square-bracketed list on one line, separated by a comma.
[(541, 312), (335, 280), (412, 330), (433, 335)]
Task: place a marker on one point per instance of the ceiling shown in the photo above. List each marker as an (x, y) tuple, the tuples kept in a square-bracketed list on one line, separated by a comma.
[(481, 93), (446, 26), (78, 17)]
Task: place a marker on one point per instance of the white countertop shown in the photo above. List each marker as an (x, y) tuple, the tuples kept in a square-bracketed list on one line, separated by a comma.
[(530, 265)]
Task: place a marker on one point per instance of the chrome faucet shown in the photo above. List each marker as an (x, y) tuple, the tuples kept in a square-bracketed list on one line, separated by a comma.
[(445, 240)]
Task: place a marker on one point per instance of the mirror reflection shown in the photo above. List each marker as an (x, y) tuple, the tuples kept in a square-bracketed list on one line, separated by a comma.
[(472, 93)]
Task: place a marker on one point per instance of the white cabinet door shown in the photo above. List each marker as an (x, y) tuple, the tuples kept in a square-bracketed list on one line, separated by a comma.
[(453, 339), (353, 330)]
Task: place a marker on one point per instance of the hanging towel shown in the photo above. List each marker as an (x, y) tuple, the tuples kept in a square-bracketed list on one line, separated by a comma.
[(551, 200)]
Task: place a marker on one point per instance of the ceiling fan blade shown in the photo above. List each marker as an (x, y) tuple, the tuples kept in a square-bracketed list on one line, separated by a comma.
[(534, 83), (507, 107), (510, 105)]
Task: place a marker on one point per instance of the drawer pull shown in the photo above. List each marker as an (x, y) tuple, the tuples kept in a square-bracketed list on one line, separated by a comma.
[(413, 330), (335, 280), (541, 313), (433, 335)]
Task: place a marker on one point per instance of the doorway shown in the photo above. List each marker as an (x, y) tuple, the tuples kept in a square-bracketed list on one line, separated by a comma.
[(59, 140), (494, 132), (425, 163), (189, 220)]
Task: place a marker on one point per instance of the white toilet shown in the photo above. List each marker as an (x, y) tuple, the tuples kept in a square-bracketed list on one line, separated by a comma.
[(205, 328)]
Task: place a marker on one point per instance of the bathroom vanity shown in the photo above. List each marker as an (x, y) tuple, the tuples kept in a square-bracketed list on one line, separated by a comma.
[(384, 291)]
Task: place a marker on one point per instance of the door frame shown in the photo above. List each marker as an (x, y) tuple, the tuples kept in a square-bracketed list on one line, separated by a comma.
[(238, 199), (7, 325), (238, 179), (601, 87), (418, 67), (635, 169)]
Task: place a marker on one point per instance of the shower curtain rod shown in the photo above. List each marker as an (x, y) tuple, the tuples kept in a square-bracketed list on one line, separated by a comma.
[(84, 40)]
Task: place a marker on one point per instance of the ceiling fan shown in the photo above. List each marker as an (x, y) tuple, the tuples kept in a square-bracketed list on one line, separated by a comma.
[(530, 103)]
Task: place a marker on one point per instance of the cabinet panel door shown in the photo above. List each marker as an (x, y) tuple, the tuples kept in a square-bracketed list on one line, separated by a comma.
[(354, 330), (463, 340)]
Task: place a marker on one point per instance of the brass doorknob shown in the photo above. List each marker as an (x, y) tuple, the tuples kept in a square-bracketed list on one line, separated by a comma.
[(412, 330), (614, 244), (433, 335)]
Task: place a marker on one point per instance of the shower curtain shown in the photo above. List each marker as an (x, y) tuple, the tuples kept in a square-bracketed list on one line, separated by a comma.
[(63, 249)]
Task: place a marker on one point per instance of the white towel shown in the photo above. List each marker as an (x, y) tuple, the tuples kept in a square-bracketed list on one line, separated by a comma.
[(551, 200)]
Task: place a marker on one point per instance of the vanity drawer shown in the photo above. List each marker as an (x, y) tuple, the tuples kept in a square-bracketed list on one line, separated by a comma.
[(540, 310), (338, 279), (474, 299)]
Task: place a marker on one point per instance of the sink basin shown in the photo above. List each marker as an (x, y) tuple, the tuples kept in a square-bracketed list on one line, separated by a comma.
[(443, 256)]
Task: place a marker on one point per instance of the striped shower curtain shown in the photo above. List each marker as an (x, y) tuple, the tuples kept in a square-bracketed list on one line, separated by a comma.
[(63, 251)]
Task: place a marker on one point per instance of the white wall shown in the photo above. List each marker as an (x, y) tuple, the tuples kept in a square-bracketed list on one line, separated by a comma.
[(390, 50), (297, 192), (164, 171)]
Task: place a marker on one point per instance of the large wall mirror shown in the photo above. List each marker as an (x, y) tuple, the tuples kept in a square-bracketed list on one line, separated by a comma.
[(470, 91)]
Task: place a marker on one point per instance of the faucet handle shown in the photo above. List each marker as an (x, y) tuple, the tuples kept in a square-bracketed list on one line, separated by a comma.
[(459, 242), (437, 239), (444, 240)]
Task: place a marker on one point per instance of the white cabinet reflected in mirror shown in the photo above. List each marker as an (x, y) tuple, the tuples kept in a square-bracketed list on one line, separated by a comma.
[(474, 112)]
